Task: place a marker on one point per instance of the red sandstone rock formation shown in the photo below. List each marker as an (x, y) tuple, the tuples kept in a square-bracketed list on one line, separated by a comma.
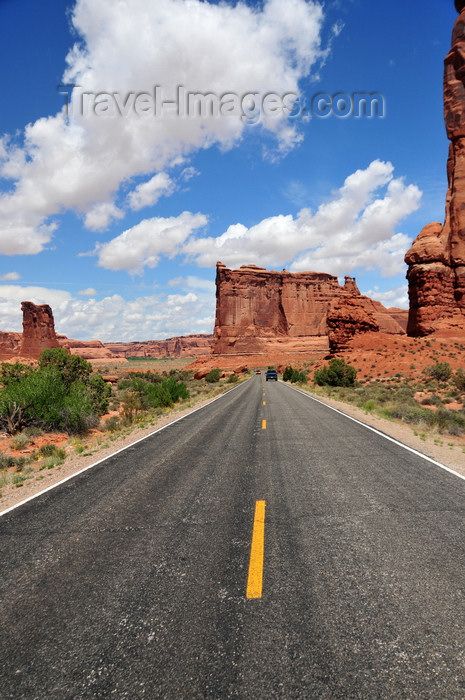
[(399, 315), (9, 344), (88, 349), (38, 330), (350, 316), (181, 346), (261, 311), (436, 273)]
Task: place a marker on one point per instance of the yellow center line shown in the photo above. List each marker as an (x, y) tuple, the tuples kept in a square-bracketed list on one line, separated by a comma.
[(263, 424), (257, 552), (264, 403)]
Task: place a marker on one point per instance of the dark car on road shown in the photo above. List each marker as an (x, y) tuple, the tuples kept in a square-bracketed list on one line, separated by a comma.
[(271, 374)]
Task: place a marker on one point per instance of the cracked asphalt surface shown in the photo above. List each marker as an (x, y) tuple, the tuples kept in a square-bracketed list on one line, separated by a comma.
[(129, 580)]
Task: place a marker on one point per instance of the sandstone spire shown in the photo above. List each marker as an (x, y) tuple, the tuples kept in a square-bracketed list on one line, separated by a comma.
[(436, 273), (38, 329)]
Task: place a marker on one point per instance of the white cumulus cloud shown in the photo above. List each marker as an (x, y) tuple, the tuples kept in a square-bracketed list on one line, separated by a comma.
[(148, 193), (143, 244), (356, 227), (10, 276), (128, 47), (113, 318)]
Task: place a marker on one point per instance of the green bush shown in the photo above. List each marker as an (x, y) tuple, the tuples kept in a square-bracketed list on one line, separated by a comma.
[(143, 394), (294, 375), (71, 368), (287, 374), (338, 373), (10, 373), (100, 393), (59, 395), (298, 377), (233, 378), (213, 376), (441, 371), (459, 380)]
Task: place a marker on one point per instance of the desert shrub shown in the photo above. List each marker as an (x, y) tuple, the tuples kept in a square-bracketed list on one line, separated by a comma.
[(6, 461), (411, 414), (59, 395), (100, 393), (213, 376), (124, 384), (131, 405), (111, 424), (10, 373), (33, 431), (160, 394), (298, 377), (452, 422), (164, 397), (71, 368), (337, 373), (294, 375), (51, 450), (441, 371), (177, 390), (427, 401), (20, 441), (233, 378), (459, 380), (287, 374), (78, 413), (148, 376)]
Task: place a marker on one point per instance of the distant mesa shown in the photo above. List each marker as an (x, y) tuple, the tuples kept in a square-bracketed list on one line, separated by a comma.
[(181, 346), (260, 311), (436, 260)]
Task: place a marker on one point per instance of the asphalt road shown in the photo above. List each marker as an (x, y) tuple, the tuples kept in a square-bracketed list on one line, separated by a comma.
[(129, 581)]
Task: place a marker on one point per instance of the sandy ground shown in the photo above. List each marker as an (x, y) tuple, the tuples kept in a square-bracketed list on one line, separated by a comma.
[(450, 455)]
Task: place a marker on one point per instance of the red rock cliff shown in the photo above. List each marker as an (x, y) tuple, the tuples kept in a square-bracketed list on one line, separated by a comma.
[(436, 261), (9, 344), (38, 329), (260, 311)]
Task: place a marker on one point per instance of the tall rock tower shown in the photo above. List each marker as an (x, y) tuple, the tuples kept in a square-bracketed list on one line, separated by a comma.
[(436, 260), (38, 329)]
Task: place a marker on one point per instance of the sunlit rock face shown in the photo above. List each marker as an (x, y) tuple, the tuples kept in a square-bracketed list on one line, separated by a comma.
[(263, 311), (436, 261), (38, 329)]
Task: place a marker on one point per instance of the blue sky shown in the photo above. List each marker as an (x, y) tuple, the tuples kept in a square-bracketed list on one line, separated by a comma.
[(117, 221)]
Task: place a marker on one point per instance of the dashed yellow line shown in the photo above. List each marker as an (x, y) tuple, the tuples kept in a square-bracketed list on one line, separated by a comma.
[(264, 403), (263, 424), (257, 553)]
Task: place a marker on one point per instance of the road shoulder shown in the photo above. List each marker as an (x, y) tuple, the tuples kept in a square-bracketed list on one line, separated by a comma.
[(450, 455)]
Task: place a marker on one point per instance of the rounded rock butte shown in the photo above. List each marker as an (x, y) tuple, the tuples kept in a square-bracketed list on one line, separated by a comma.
[(459, 5)]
